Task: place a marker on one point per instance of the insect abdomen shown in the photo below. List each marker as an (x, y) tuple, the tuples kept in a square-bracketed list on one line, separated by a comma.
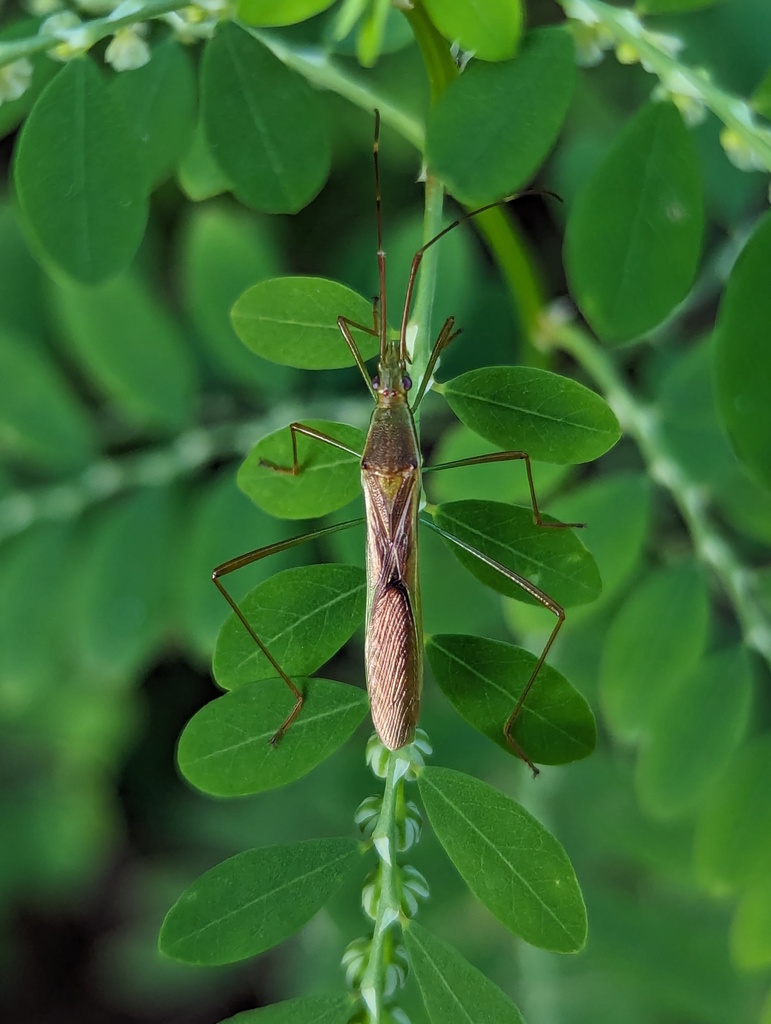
[(393, 666)]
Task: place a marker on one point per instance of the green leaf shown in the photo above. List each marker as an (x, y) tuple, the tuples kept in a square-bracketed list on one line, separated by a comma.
[(13, 112), (655, 640), (280, 12), (693, 732), (41, 420), (293, 321), (120, 616), (553, 560), (264, 123), (453, 991), (617, 512), (22, 309), (78, 177), (329, 478), (131, 348), (255, 900), (634, 234), (308, 1010), (159, 101), (200, 177), (742, 358), (552, 418), (490, 30), (226, 747), (222, 523), (484, 679), (492, 126), (302, 615), (510, 862), (751, 927), (672, 6), (223, 252), (733, 836)]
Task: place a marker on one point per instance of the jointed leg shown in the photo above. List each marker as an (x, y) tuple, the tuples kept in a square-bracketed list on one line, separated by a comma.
[(300, 428), (543, 599), (478, 460), (254, 556), (345, 326), (446, 335)]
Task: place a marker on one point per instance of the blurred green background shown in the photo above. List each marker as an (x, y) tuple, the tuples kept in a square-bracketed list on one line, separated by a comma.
[(124, 413)]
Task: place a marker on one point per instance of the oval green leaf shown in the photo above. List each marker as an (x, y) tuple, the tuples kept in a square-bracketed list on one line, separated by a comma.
[(302, 615), (492, 127), (491, 30), (280, 12), (226, 748), (510, 862), (41, 420), (329, 478), (159, 101), (264, 123), (552, 418), (483, 679), (553, 560), (293, 321), (693, 733), (255, 900), (751, 927), (742, 357), (733, 835), (634, 234), (78, 178), (454, 992), (654, 642), (129, 345), (200, 176), (307, 1010)]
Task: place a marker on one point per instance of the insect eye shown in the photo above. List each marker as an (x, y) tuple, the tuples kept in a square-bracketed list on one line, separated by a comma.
[(406, 382), (376, 382)]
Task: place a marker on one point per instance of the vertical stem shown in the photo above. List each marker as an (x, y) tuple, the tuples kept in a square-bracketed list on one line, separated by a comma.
[(424, 300)]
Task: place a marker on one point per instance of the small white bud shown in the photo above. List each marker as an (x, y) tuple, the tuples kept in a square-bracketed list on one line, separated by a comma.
[(127, 50), (14, 80)]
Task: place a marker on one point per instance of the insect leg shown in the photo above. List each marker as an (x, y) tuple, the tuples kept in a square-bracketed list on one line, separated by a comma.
[(254, 556), (300, 428), (345, 326), (543, 599), (443, 340), (479, 460)]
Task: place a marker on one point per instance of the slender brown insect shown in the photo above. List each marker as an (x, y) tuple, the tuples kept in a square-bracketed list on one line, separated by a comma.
[(391, 468)]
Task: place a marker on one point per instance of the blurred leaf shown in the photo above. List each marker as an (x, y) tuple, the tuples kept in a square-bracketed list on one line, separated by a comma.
[(329, 478), (263, 122), (293, 321), (492, 127), (13, 112), (672, 6), (733, 836), (761, 97), (22, 311), (742, 361), (552, 418), (693, 732), (226, 749), (120, 606), (309, 1010), (555, 561), (634, 234), (454, 992), (78, 177), (654, 642), (751, 927), (484, 680), (496, 481), (41, 419), (507, 858), (223, 252), (255, 900), (128, 344), (223, 523), (491, 31), (200, 177), (302, 615), (280, 12), (159, 101), (617, 513)]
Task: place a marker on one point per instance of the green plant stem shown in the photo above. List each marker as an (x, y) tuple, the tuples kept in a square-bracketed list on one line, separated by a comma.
[(642, 423), (625, 27), (441, 69), (92, 31), (387, 911), (426, 291)]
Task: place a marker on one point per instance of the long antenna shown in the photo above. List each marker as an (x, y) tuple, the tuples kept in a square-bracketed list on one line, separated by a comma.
[(381, 257)]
